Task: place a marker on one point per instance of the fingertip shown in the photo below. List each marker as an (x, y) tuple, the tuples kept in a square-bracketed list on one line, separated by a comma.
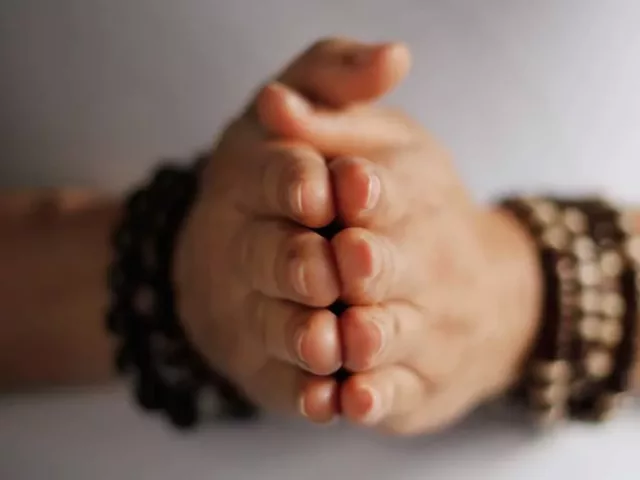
[(316, 202), (319, 400), (320, 347), (357, 188), (320, 273), (396, 57), (360, 403), (357, 264), (363, 338)]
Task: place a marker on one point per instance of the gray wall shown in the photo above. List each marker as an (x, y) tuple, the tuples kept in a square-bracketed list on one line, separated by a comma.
[(526, 94)]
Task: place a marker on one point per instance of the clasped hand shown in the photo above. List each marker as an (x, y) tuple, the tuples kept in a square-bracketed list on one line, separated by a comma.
[(441, 305)]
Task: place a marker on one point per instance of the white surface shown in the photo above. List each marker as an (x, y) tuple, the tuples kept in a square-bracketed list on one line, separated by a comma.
[(526, 94), (100, 437)]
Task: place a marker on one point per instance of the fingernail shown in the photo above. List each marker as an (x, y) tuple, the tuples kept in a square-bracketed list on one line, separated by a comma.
[(362, 260), (302, 406), (368, 396), (300, 337), (295, 197), (299, 278), (373, 191), (379, 333)]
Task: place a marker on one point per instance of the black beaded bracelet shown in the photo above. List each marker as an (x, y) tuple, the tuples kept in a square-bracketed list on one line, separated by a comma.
[(169, 376)]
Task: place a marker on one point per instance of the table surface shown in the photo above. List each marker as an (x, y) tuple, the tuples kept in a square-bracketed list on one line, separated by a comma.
[(98, 435)]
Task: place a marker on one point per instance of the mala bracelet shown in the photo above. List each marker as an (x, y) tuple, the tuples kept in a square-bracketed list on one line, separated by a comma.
[(152, 349), (583, 356)]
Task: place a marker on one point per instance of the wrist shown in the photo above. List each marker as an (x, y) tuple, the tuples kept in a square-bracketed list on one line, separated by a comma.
[(515, 284)]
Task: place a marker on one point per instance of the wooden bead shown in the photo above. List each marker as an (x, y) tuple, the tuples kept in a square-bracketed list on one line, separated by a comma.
[(575, 220), (550, 416), (549, 395), (607, 405), (627, 222), (551, 370), (611, 332), (590, 301), (612, 304), (589, 274), (590, 328), (544, 212), (584, 248), (598, 363), (556, 237), (611, 264)]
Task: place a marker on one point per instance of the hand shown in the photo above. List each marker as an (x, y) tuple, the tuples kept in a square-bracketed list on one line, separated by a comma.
[(252, 277), (444, 292)]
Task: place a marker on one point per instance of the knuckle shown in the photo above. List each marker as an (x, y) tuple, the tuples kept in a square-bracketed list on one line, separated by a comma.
[(285, 175), (244, 253), (295, 252), (386, 278)]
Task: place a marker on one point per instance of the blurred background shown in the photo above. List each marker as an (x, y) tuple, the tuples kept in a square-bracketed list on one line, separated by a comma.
[(527, 94)]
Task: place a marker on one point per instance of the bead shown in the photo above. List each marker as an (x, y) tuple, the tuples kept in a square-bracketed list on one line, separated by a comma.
[(575, 220), (612, 304), (551, 416), (208, 402), (143, 300), (590, 301), (549, 395), (181, 409), (611, 263), (590, 328), (611, 332), (584, 248), (551, 370), (606, 406), (556, 237), (545, 212), (589, 274), (627, 222), (150, 393), (598, 363)]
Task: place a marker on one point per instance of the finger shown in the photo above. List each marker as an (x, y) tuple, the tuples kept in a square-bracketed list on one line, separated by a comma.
[(376, 397), (301, 336), (292, 181), (355, 131), (280, 387), (368, 195), (288, 262), (373, 269), (382, 335), (338, 72)]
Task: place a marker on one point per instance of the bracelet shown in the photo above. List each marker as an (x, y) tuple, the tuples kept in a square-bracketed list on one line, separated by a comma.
[(583, 356), (168, 375)]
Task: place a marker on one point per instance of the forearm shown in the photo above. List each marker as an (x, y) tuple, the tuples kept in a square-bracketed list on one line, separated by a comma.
[(54, 252)]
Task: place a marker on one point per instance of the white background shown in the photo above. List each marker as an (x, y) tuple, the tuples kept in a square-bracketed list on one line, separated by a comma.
[(527, 95)]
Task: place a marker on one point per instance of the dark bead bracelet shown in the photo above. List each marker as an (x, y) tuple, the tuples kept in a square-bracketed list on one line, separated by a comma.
[(168, 375)]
